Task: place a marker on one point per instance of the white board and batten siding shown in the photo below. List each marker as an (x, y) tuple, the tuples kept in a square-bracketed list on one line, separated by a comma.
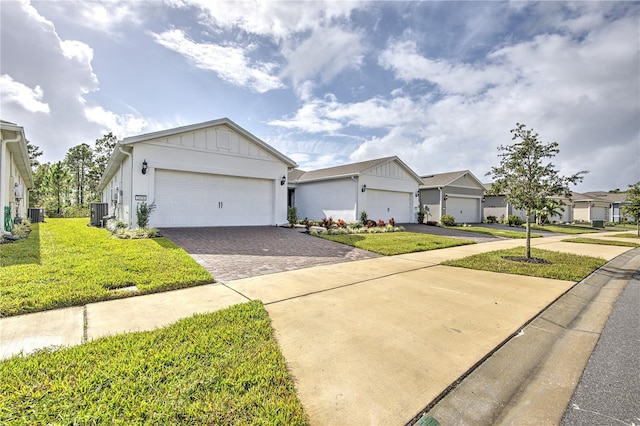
[(211, 176), (390, 193)]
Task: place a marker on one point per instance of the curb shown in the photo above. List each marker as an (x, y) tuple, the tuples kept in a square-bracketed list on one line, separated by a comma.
[(530, 378)]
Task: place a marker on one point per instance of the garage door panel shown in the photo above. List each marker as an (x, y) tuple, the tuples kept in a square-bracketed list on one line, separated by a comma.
[(388, 204), (199, 199), (464, 210)]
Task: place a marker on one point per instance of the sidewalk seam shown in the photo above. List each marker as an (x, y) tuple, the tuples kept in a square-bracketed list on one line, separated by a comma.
[(349, 284), (85, 325)]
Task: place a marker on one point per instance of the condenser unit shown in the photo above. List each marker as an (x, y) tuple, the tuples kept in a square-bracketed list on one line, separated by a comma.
[(98, 212), (36, 215)]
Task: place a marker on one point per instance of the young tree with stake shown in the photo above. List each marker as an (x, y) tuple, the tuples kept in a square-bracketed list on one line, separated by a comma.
[(526, 182)]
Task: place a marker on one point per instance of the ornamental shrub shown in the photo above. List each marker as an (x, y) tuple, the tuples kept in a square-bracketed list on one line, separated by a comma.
[(515, 220), (448, 220)]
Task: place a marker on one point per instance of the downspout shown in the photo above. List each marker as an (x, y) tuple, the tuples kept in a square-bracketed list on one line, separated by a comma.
[(2, 160), (130, 181)]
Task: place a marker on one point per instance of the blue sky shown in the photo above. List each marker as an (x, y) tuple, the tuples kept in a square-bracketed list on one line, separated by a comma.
[(439, 84)]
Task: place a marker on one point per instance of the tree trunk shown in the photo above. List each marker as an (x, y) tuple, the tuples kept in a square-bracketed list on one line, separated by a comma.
[(528, 234)]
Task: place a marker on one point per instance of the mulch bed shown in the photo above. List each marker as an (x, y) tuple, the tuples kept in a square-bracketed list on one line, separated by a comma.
[(524, 259)]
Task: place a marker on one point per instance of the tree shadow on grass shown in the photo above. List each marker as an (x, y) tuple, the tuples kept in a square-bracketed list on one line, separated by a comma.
[(22, 252)]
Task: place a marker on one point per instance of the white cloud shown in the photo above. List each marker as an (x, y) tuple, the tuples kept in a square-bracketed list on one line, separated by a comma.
[(108, 17), (56, 77), (322, 56), (408, 64), (229, 62), (580, 91), (12, 91), (274, 19)]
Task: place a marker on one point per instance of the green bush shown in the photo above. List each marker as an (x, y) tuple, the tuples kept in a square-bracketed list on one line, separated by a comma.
[(420, 217), (364, 217), (514, 220), (292, 215), (143, 213), (492, 219), (448, 220)]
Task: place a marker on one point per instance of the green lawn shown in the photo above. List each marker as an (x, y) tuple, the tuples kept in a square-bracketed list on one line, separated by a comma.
[(625, 235), (494, 231), (565, 229), (563, 266), (391, 243), (66, 263), (220, 368), (602, 242)]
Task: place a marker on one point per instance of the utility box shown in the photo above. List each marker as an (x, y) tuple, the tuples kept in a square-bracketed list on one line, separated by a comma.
[(98, 212), (36, 215)]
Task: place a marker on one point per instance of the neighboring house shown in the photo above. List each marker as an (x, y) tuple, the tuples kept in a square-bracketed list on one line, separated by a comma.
[(617, 201), (385, 188), (15, 174), (459, 194), (496, 205), (588, 208), (207, 174)]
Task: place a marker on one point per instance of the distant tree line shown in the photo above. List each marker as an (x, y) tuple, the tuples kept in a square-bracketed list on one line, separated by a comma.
[(65, 188)]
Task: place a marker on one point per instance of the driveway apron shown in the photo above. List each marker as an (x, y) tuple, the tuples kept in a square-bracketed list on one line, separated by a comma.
[(232, 253)]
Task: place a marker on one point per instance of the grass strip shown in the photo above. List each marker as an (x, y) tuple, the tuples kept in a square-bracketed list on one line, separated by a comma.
[(495, 232), (219, 368), (602, 242), (563, 266), (66, 263), (564, 229), (392, 243), (626, 236)]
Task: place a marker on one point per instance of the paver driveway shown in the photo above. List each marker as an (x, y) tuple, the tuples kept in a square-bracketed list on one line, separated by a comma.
[(232, 253)]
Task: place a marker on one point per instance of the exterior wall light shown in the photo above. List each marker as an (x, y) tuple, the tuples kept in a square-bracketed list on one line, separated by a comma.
[(484, 199), (417, 193), (446, 197), (364, 187), (283, 180), (144, 167)]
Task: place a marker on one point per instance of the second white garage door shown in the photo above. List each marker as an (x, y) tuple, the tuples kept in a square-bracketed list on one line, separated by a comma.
[(464, 210), (198, 199), (388, 204)]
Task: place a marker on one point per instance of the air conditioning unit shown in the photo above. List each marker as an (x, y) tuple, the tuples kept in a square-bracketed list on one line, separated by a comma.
[(36, 215), (98, 212)]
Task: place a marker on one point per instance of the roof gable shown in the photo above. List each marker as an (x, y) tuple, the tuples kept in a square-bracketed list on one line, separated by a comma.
[(215, 135), (612, 197), (222, 136), (386, 166), (463, 178)]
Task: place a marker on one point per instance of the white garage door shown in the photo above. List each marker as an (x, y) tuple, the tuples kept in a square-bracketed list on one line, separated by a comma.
[(198, 199), (388, 204), (464, 210)]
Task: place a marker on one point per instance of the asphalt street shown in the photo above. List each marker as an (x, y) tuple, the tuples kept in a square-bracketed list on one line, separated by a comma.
[(609, 391)]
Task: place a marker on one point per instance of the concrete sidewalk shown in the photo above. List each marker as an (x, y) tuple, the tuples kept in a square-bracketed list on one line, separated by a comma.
[(370, 341)]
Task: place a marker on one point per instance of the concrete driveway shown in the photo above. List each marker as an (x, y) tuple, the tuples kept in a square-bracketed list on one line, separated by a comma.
[(232, 253)]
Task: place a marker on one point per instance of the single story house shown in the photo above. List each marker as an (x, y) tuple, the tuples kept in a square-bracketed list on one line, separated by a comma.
[(207, 174), (617, 201), (459, 194), (15, 175), (496, 205), (588, 208), (385, 188)]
